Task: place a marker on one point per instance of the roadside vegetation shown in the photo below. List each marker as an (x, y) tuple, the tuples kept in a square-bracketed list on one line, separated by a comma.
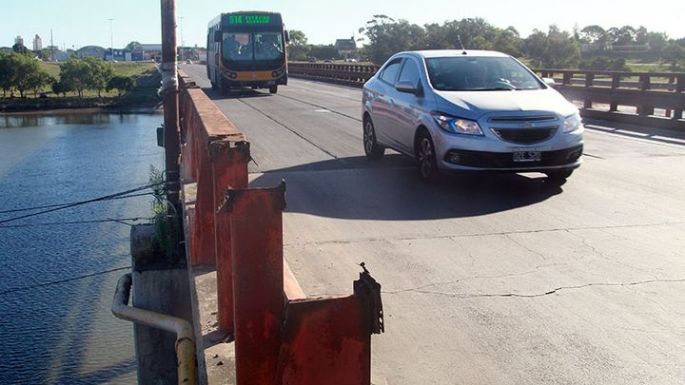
[(24, 77), (623, 48)]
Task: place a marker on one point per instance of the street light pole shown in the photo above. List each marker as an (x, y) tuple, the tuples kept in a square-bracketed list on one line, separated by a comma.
[(111, 40)]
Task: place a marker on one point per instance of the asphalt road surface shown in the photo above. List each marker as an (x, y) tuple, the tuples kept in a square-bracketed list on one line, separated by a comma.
[(486, 280)]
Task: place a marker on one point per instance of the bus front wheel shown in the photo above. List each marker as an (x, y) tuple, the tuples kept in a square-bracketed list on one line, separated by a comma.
[(273, 89)]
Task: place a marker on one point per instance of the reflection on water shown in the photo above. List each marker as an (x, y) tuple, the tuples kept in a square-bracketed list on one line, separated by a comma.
[(56, 328), (17, 121)]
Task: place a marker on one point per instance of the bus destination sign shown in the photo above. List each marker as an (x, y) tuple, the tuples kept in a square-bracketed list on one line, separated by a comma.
[(249, 19)]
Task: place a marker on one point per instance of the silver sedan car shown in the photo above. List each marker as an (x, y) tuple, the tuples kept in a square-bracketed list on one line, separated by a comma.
[(470, 111)]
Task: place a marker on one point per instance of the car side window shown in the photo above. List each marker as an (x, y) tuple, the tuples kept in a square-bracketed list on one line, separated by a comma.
[(389, 74), (410, 73)]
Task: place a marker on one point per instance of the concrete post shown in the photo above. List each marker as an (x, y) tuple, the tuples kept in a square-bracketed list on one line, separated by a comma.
[(160, 284)]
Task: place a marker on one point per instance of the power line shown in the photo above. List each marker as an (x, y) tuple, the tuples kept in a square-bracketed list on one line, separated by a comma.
[(26, 288), (71, 205), (64, 204), (122, 221)]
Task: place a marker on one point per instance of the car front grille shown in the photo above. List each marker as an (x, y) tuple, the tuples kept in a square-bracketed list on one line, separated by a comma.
[(519, 119), (525, 135)]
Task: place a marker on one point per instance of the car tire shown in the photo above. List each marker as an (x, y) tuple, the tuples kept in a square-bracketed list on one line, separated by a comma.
[(372, 149), (425, 156), (273, 89), (558, 177)]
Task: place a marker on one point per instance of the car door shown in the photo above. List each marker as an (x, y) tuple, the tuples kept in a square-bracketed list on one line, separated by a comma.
[(382, 105), (406, 107)]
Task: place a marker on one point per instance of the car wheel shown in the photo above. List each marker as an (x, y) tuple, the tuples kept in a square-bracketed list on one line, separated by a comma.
[(372, 149), (425, 155), (273, 89), (558, 177)]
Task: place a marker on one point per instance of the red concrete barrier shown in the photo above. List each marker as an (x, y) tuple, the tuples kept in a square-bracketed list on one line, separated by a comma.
[(281, 337)]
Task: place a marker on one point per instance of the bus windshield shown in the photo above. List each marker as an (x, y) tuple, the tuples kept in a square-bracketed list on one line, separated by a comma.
[(246, 46)]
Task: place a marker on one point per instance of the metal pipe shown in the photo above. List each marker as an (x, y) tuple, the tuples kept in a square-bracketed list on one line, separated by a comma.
[(185, 342)]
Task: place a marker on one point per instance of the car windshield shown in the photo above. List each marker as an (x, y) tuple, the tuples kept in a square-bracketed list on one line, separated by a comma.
[(479, 74), (252, 46)]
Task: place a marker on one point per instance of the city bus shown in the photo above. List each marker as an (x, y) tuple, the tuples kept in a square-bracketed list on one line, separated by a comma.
[(247, 49)]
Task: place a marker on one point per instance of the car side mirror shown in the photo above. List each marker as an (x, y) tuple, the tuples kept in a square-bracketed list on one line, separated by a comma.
[(409, 88), (218, 36), (549, 81), (287, 37)]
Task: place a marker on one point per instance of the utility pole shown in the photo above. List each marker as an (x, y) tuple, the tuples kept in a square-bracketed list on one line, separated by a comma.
[(111, 40), (170, 98)]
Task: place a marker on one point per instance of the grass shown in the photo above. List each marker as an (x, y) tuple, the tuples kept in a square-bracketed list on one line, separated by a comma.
[(129, 69), (133, 69), (642, 66)]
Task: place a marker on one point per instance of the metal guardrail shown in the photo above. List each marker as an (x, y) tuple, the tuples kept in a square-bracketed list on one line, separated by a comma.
[(646, 91), (658, 97)]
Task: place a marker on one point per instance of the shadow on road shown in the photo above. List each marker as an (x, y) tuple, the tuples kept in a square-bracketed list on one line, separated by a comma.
[(390, 190), (240, 93)]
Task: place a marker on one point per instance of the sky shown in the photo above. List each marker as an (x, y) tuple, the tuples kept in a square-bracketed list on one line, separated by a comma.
[(77, 23)]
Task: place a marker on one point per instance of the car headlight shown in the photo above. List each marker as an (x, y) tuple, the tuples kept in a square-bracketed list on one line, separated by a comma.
[(457, 125), (573, 123)]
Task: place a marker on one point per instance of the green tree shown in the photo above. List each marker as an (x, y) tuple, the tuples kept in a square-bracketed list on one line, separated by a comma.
[(75, 75), (324, 51), (20, 48), (60, 88), (26, 74), (298, 48), (100, 73), (387, 37), (657, 41), (130, 46), (121, 84), (673, 54), (39, 80), (554, 49), (8, 71)]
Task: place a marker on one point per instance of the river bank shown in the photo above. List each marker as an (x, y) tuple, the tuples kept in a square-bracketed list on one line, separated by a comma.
[(142, 98)]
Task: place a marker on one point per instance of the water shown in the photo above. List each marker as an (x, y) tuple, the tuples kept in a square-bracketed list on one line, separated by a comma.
[(64, 333)]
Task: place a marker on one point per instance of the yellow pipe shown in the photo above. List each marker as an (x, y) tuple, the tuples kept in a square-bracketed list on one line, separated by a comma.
[(185, 342)]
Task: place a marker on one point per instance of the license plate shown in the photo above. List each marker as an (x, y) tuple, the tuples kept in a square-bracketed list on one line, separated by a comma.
[(527, 156)]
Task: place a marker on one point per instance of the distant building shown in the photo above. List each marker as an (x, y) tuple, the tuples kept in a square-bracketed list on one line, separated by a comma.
[(19, 40), (37, 43), (202, 55), (119, 55), (346, 47), (147, 52), (91, 51)]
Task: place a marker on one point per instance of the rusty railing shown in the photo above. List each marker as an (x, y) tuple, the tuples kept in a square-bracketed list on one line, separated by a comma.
[(281, 336)]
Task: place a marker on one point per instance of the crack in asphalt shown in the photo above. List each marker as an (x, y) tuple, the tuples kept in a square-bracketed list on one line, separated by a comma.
[(538, 295), (510, 275), (502, 233)]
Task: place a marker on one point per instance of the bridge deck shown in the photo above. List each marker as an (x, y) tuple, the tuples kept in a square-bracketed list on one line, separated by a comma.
[(501, 280)]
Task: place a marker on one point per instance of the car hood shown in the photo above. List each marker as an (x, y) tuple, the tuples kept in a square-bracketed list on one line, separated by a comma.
[(475, 104)]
